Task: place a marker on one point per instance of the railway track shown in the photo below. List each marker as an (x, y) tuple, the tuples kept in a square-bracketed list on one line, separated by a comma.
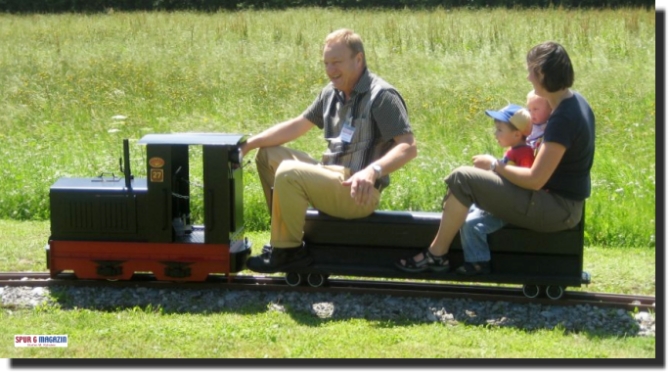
[(409, 289)]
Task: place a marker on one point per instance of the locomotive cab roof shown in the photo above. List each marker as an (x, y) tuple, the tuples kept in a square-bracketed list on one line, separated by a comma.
[(193, 139)]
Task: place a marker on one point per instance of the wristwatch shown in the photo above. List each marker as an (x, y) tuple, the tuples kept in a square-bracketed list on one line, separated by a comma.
[(378, 170), (493, 165)]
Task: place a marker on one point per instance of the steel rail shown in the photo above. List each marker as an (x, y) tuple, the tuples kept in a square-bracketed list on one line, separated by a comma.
[(396, 288)]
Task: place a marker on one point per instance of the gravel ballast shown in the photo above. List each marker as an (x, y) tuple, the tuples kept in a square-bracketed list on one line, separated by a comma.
[(585, 318)]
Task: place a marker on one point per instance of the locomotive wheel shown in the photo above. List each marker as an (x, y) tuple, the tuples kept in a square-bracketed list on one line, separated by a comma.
[(531, 291), (554, 292), (316, 280), (293, 279)]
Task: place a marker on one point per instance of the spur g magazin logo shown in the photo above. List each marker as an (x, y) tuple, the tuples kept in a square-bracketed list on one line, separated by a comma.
[(40, 340)]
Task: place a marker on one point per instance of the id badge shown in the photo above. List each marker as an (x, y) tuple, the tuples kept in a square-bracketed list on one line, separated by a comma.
[(347, 132)]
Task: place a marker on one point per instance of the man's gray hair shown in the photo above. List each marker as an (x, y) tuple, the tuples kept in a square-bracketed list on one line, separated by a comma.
[(351, 39)]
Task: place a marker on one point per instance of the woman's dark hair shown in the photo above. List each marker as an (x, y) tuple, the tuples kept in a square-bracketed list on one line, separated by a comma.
[(552, 61)]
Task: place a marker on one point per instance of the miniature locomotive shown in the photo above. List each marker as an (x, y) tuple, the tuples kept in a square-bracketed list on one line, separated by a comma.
[(114, 227), (109, 227)]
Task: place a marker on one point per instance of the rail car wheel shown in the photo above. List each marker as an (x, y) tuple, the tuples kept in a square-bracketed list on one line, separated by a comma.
[(554, 292), (293, 279), (316, 280), (531, 291)]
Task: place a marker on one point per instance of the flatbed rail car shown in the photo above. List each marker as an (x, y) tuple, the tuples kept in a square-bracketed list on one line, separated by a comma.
[(111, 228), (544, 263)]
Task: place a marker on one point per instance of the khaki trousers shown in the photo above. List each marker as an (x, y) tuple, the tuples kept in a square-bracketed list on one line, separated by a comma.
[(292, 181)]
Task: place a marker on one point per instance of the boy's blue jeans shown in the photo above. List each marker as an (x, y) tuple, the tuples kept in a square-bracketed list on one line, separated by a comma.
[(478, 224)]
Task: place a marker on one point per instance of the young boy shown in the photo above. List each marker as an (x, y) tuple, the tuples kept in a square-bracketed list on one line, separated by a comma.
[(539, 115), (512, 124)]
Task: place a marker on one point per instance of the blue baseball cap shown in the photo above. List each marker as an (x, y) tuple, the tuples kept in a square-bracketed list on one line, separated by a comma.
[(514, 114)]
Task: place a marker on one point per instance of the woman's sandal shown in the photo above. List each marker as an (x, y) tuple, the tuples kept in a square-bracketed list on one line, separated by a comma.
[(474, 268), (429, 262)]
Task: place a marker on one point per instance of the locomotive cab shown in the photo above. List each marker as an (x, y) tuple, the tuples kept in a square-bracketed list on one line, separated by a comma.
[(109, 227), (168, 187)]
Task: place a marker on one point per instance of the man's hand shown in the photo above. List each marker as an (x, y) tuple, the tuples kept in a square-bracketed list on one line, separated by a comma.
[(362, 186), (483, 161)]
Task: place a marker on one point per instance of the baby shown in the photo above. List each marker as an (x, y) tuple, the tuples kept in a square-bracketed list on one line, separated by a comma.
[(539, 115)]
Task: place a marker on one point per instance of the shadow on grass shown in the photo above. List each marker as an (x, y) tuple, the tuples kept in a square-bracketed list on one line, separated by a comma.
[(383, 311)]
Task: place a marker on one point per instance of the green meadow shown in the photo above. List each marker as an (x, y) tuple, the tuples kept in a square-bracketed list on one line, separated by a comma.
[(73, 86), (63, 78)]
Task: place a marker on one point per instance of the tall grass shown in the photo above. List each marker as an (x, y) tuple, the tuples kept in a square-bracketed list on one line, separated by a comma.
[(64, 77)]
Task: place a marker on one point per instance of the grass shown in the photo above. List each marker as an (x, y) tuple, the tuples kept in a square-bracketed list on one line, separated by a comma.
[(64, 77), (273, 334)]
